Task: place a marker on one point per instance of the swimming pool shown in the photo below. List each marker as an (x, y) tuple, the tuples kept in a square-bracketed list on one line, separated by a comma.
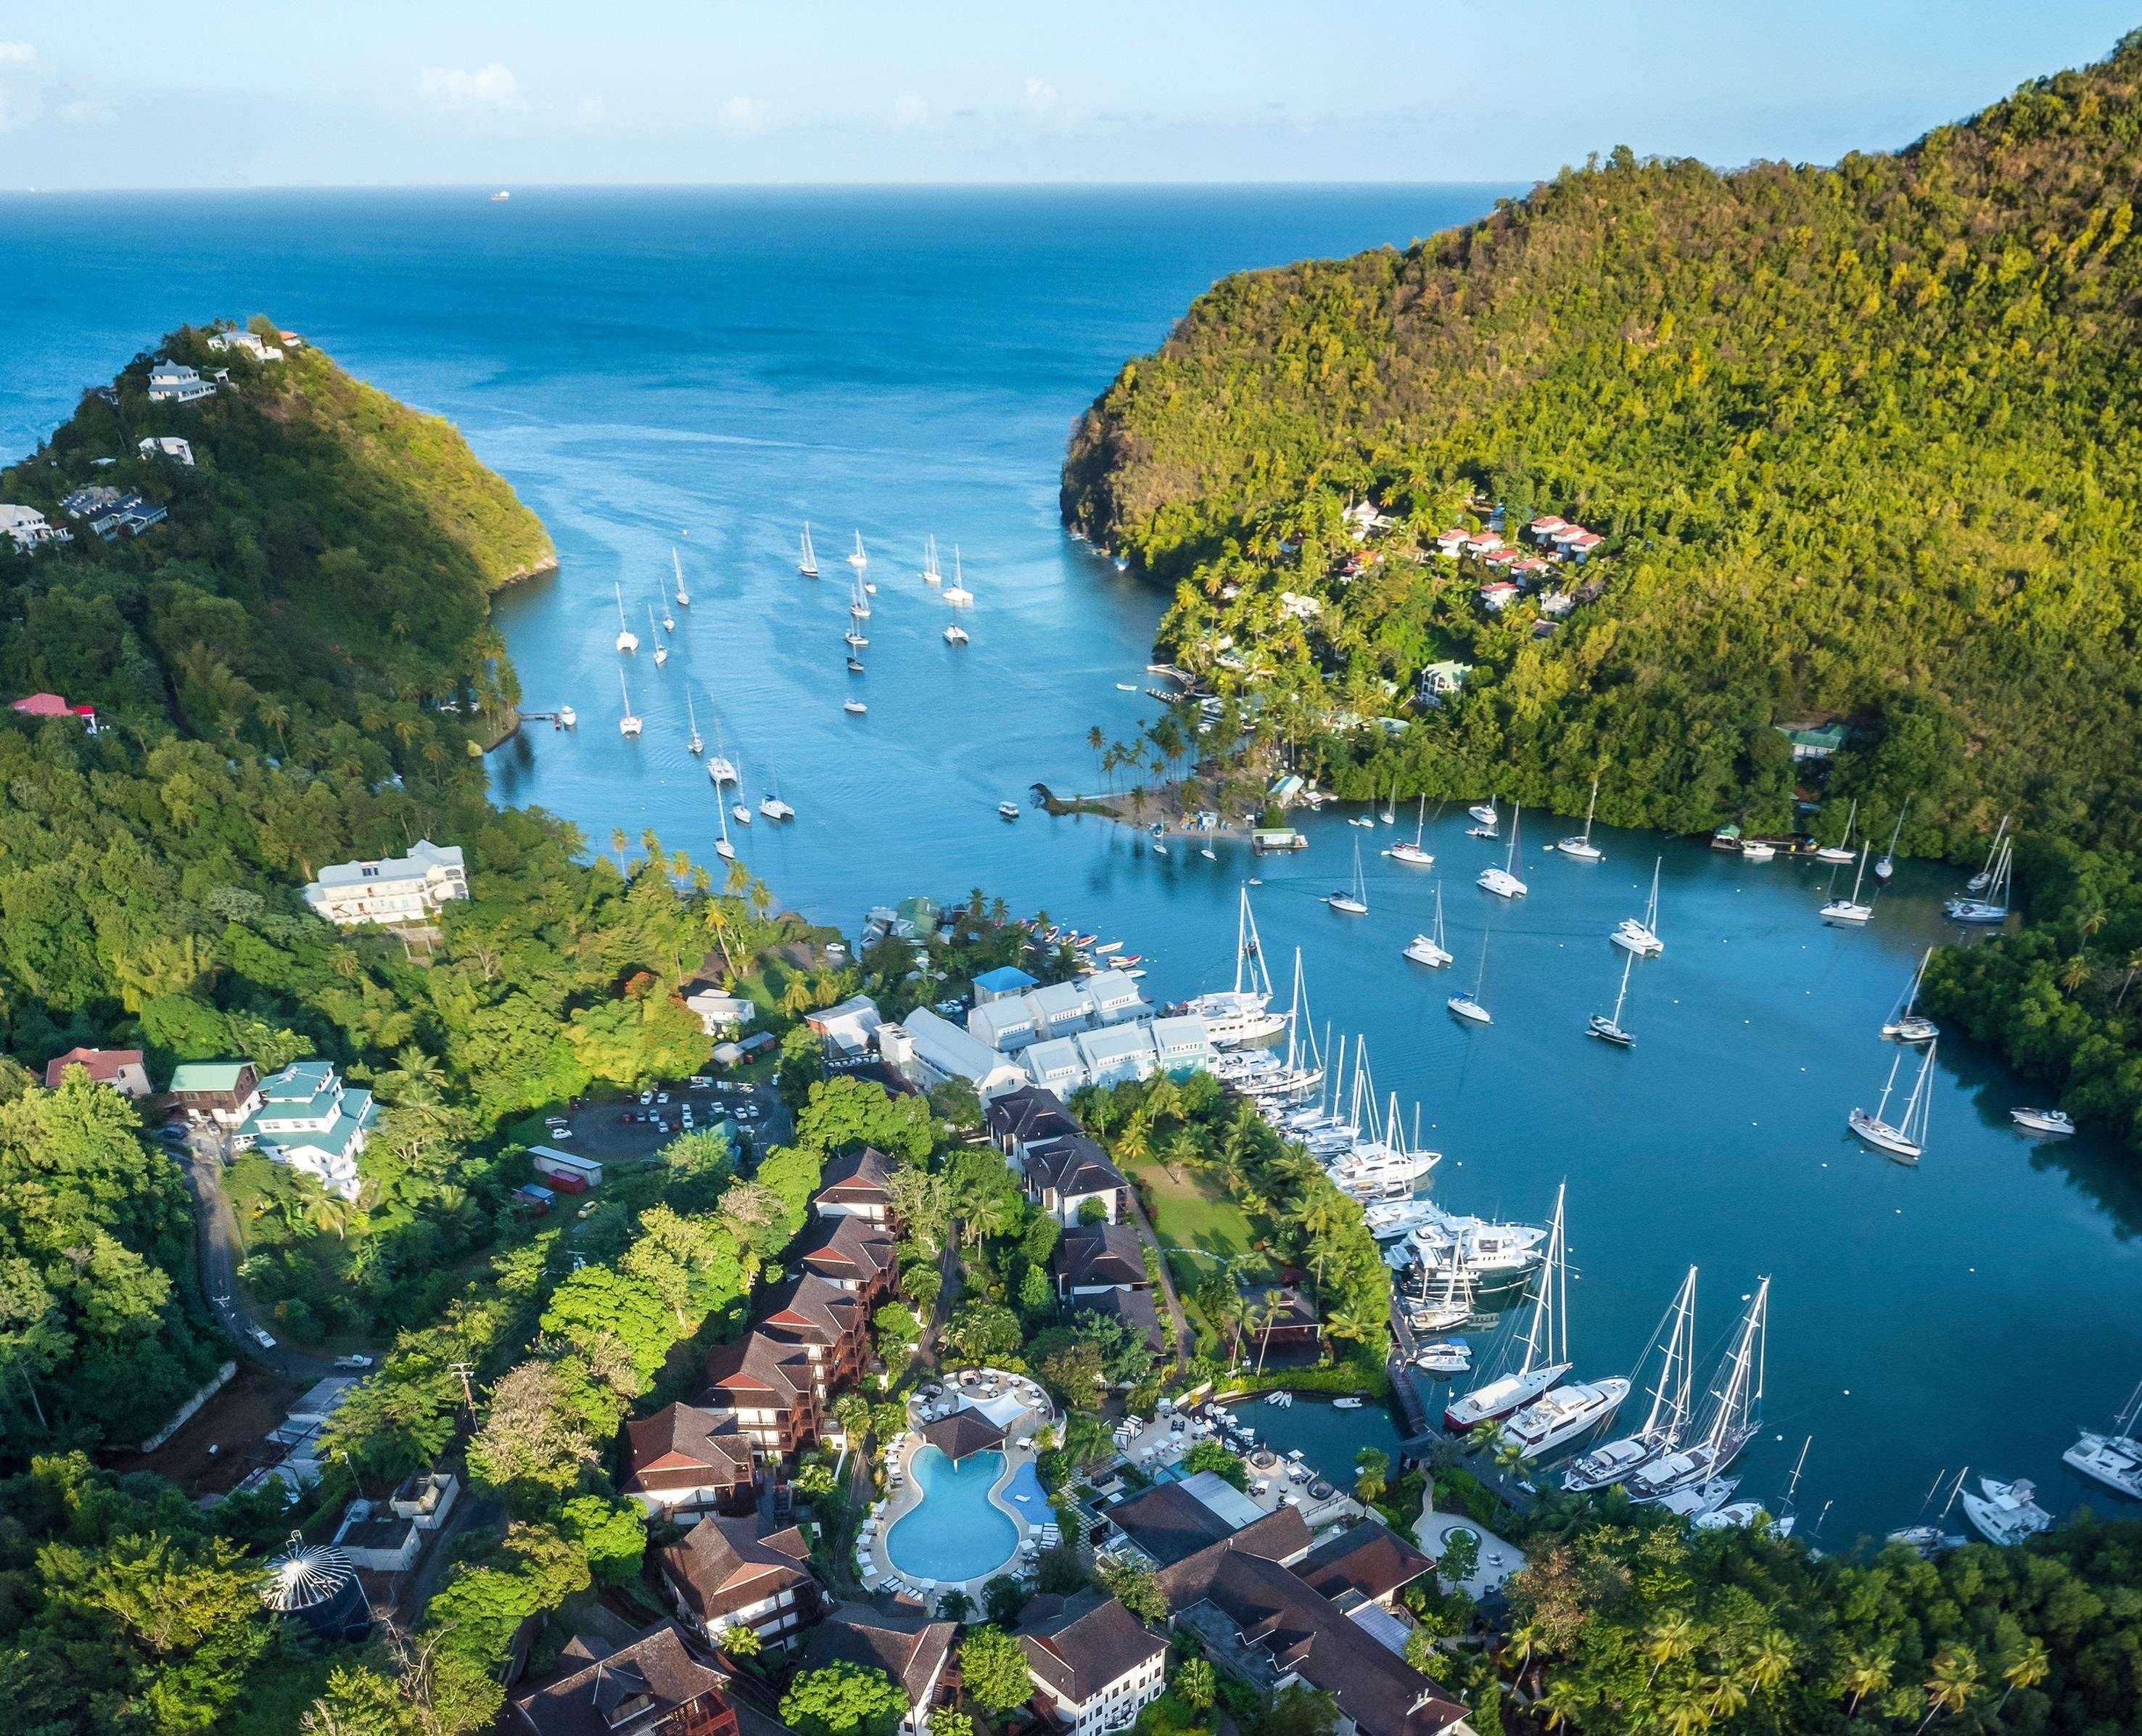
[(956, 1531)]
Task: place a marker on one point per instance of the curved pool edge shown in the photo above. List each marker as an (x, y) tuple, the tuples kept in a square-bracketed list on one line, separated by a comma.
[(1008, 1469)]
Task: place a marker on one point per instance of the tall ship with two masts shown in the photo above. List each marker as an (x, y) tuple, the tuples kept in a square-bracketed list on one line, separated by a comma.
[(1242, 1014), (1546, 1358), (1672, 1404), (1734, 1415)]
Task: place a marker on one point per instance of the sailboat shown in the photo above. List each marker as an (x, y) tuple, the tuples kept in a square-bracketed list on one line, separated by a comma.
[(1241, 1015), (1545, 1359), (1607, 1026), (1842, 850), (1428, 949), (1984, 878), (956, 593), (683, 596), (722, 847), (627, 724), (1746, 1513), (740, 809), (859, 560), (1734, 1415), (1472, 1006), (1582, 847), (1672, 1404), (718, 767), (858, 602), (1412, 854), (1905, 1026), (930, 574), (1850, 910), (1390, 808), (1642, 937), (627, 640), (1503, 881), (692, 718), (1990, 906), (807, 561), (772, 807), (2115, 1458), (1355, 900), (1452, 1307), (1887, 865), (1907, 1138), (661, 650)]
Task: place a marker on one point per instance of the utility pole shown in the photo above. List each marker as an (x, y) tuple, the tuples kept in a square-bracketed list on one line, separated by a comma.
[(468, 1395)]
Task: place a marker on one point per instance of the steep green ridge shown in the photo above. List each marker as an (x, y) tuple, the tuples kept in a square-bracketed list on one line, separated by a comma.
[(1865, 441)]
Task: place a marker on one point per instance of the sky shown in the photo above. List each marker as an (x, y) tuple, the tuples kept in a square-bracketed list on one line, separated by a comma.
[(125, 93)]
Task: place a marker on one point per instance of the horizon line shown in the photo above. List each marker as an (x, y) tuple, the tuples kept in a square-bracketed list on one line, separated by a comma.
[(782, 186)]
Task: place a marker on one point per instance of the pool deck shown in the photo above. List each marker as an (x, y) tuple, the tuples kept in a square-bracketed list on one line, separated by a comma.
[(905, 1494)]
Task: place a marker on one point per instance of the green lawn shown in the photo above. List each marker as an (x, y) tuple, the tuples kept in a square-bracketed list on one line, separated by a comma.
[(1188, 1214)]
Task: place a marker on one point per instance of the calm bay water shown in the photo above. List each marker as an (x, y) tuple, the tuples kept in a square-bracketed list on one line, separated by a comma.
[(705, 370)]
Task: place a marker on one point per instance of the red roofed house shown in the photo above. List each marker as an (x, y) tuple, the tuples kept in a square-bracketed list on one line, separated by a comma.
[(1544, 527), (51, 704), (770, 1387), (1582, 544), (683, 1461), (1500, 595), (120, 1069)]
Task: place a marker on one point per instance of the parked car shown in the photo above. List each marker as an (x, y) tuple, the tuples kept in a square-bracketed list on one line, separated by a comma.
[(353, 1360), (662, 1096), (561, 1133), (647, 1096), (261, 1337)]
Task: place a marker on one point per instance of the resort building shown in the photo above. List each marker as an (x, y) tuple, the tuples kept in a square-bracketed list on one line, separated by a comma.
[(1011, 1021), (832, 1327), (1288, 1329), (52, 704), (1176, 1526), (25, 526), (728, 1573), (1029, 1116), (852, 1254), (166, 446), (1006, 979), (652, 1687), (174, 382), (930, 1050), (910, 1648), (397, 889), (1813, 741), (857, 1184), (1098, 1257), (848, 1028), (683, 1461), (718, 1014), (250, 344), (1056, 1066), (1063, 1175), (223, 1091), (1364, 1568), (1095, 1666), (120, 1069), (770, 1388), (308, 1118)]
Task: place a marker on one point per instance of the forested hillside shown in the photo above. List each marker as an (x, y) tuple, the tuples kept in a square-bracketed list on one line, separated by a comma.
[(1863, 441)]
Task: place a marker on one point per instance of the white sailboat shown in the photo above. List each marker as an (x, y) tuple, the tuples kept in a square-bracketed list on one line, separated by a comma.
[(1450, 1306), (627, 640), (1906, 1139), (1990, 907), (1887, 865), (956, 593), (628, 724), (1355, 900), (1503, 881), (1984, 878), (1734, 1415), (691, 719), (683, 596), (930, 573), (722, 847), (807, 559), (718, 767), (955, 633), (859, 560), (1850, 910), (1428, 949), (1582, 847), (772, 807), (1903, 1025), (858, 602), (1241, 1015), (1842, 850), (1607, 1026), (2006, 1512), (740, 809), (1545, 1359), (2114, 1457), (661, 650), (1412, 855), (1642, 937), (1472, 1006), (1389, 815), (854, 708), (1672, 1404)]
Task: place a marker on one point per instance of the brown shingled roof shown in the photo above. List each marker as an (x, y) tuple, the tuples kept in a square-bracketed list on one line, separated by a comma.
[(1078, 1647), (1371, 1561), (681, 1438), (963, 1434), (909, 1648), (724, 1565), (602, 1688)]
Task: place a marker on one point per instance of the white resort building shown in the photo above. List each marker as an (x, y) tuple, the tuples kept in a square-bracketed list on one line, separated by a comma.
[(310, 1120), (174, 382), (396, 890), (166, 446)]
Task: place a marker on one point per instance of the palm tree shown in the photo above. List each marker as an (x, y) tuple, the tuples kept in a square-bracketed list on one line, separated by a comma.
[(617, 843), (1556, 1703), (1672, 1638), (1954, 1681), (1727, 1694), (1194, 1681), (1522, 1650), (1771, 1660), (2031, 1666), (1683, 1711), (2132, 966), (1867, 1673), (1268, 1311), (2075, 974)]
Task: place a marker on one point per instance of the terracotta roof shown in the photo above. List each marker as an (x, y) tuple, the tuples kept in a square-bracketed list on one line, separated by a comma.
[(1282, 1535), (963, 1434), (607, 1692), (847, 1247), (679, 1439), (724, 1565), (812, 1309), (757, 1362), (864, 1170), (1101, 1254), (102, 1065), (910, 1648), (1371, 1561), (1079, 1647)]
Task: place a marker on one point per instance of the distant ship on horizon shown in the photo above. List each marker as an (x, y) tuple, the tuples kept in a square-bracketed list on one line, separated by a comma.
[(500, 196)]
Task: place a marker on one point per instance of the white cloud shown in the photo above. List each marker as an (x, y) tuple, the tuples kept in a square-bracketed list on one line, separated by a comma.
[(909, 111), (489, 90), (1040, 96), (17, 54), (742, 114)]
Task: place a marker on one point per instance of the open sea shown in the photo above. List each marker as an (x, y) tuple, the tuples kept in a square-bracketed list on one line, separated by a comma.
[(705, 370)]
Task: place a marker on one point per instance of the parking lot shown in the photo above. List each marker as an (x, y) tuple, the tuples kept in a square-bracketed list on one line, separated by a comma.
[(623, 1131)]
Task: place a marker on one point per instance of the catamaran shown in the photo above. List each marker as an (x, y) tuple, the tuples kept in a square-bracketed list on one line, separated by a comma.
[(1984, 878), (956, 593), (955, 633), (1850, 910), (627, 640), (1733, 1420), (1990, 907), (1412, 854), (1887, 865), (661, 650), (1642, 937), (807, 562), (1607, 1026), (1903, 1025), (2006, 1512), (1582, 847), (859, 560), (718, 768), (2115, 1458), (1672, 1404), (627, 724), (1242, 1014), (1503, 881), (1355, 900), (692, 718), (1472, 1006), (683, 596), (1907, 1138), (1841, 851), (1545, 1359), (930, 574), (1428, 949), (772, 807)]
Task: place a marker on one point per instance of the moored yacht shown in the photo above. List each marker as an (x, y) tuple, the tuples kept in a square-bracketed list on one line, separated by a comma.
[(1581, 847), (1672, 1402), (1842, 850), (661, 650), (1642, 937), (1503, 882), (1428, 949), (1413, 855), (1545, 1360), (1242, 1014), (2054, 1121), (1988, 905), (1904, 1024), (2113, 1458), (627, 640), (1906, 1138), (1560, 1415), (1471, 1007), (1734, 1415), (2006, 1512), (628, 724), (956, 593), (807, 561), (1354, 901), (683, 596), (1850, 910), (772, 807), (1607, 1026), (1485, 813)]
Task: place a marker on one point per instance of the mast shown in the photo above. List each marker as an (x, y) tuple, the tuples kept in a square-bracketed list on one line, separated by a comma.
[(1851, 814), (1591, 808), (1859, 876), (1249, 951), (1671, 1397), (1743, 1396), (1992, 854), (1651, 911), (1918, 1111), (1438, 917), (1888, 1084), (1628, 963), (1896, 831), (1420, 822), (1480, 982), (1510, 858)]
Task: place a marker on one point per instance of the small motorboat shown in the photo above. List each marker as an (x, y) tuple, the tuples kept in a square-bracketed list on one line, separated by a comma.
[(854, 708), (1008, 810), (1928, 1539), (1348, 1404), (855, 666), (2006, 1512), (2054, 1121), (1449, 1356), (1487, 832), (1208, 852), (1755, 851)]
